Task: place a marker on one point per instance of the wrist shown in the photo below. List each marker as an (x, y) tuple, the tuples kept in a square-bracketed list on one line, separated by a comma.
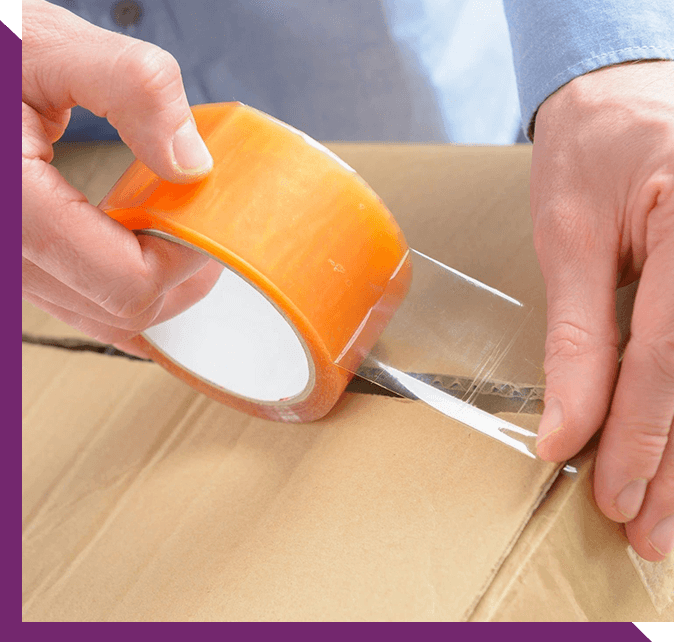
[(593, 88)]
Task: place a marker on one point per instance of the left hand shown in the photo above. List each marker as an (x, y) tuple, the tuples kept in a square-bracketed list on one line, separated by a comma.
[(602, 200), (78, 264)]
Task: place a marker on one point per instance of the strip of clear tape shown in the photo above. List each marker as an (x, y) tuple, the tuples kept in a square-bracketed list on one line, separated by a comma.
[(463, 348)]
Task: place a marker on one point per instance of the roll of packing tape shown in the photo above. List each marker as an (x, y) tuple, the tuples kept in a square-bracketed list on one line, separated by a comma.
[(315, 265)]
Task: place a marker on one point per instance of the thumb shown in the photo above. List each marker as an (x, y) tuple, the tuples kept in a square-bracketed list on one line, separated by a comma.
[(134, 84), (582, 336)]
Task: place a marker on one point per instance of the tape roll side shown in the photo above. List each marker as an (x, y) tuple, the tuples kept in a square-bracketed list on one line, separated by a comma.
[(292, 219)]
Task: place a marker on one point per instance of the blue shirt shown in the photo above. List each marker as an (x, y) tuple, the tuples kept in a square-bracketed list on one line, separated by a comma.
[(554, 41), (388, 70)]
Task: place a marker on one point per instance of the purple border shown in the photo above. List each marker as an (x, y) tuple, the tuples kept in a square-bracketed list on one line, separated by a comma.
[(10, 52)]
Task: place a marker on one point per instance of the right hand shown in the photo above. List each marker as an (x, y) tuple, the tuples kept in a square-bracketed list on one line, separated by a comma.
[(602, 201), (78, 264)]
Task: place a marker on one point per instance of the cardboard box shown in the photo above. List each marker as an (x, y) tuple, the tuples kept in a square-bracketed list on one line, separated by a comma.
[(144, 500)]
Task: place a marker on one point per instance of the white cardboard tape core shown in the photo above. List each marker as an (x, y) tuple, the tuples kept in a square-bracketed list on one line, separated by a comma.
[(235, 338)]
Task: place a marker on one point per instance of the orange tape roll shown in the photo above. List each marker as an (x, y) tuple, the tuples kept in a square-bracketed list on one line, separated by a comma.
[(301, 229)]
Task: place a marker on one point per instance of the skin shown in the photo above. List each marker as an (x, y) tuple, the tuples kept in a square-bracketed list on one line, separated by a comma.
[(78, 264), (602, 200)]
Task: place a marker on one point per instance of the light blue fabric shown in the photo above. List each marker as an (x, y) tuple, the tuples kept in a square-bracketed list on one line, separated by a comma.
[(386, 70), (464, 52), (554, 41)]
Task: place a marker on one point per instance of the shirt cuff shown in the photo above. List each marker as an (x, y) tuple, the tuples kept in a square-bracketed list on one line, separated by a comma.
[(554, 41)]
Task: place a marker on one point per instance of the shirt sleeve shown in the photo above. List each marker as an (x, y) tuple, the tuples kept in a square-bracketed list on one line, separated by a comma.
[(553, 41)]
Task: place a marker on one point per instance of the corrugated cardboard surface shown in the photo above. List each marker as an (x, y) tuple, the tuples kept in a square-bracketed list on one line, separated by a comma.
[(144, 500)]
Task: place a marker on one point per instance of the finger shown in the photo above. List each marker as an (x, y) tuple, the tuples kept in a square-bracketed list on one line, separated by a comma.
[(37, 282), (179, 299), (134, 84), (95, 329), (186, 294), (651, 533), (582, 336), (638, 427), (90, 253)]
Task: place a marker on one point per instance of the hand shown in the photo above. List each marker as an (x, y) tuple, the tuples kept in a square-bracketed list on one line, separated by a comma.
[(602, 199), (79, 264)]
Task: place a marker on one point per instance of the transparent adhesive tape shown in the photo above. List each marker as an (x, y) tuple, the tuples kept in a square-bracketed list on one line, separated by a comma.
[(317, 284), (465, 349)]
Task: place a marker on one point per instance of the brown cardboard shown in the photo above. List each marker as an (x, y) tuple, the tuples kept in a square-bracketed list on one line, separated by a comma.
[(572, 564), (152, 502), (144, 500)]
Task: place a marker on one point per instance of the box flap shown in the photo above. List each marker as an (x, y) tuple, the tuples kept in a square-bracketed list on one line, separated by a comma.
[(572, 564), (144, 500)]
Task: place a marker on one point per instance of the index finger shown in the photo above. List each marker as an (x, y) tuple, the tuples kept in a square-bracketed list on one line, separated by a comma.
[(134, 84)]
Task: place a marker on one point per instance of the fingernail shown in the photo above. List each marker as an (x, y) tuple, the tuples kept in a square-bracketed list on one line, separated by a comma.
[(662, 536), (552, 420), (189, 150), (630, 498)]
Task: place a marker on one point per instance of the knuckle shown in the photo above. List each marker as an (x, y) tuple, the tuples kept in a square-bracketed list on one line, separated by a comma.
[(155, 71), (660, 195), (34, 142), (645, 442), (567, 340)]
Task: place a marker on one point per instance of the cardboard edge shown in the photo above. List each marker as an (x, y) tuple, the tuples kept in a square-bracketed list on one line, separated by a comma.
[(657, 578), (497, 571), (558, 493)]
